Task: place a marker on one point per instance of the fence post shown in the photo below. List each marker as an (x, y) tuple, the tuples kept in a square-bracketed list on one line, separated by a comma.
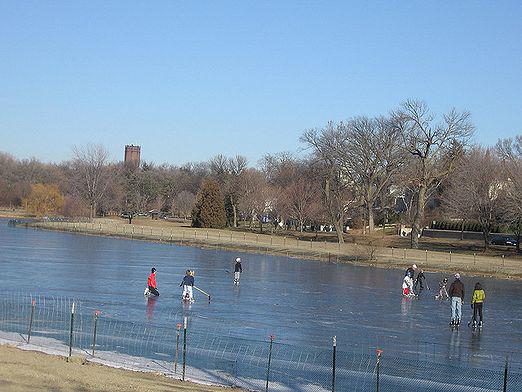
[(184, 347), (392, 251), (96, 315), (504, 389), (426, 255), (310, 243), (334, 342), (33, 304), (378, 370), (450, 256), (284, 242), (178, 327), (71, 329), (474, 258), (272, 337), (194, 234), (503, 261)]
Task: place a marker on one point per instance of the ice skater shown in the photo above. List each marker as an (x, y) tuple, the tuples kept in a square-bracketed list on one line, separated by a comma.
[(456, 293), (237, 271), (407, 286), (477, 302), (411, 271), (443, 292), (151, 284), (188, 284), (420, 281)]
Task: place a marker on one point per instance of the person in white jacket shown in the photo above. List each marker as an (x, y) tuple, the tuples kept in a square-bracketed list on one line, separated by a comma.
[(407, 286)]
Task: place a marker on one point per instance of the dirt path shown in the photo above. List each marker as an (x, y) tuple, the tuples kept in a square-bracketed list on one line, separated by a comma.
[(34, 371)]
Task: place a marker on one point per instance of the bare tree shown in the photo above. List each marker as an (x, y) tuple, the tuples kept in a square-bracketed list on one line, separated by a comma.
[(510, 152), (434, 149), (90, 174), (338, 195), (476, 191), (184, 203), (256, 197), (369, 154), (301, 199)]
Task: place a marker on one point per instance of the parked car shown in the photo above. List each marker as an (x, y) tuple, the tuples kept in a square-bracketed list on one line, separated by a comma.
[(506, 241)]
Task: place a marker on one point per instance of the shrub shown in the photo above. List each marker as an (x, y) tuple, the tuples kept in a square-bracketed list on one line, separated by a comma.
[(209, 210)]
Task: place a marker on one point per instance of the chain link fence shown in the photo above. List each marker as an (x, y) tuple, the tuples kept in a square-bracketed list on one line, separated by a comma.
[(189, 352)]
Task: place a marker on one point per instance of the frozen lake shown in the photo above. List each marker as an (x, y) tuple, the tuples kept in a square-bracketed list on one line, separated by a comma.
[(302, 302)]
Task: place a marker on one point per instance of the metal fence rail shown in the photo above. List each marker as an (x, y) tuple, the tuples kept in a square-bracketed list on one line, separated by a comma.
[(258, 365)]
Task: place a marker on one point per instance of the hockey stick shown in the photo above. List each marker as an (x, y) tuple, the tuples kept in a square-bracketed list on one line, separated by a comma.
[(207, 294)]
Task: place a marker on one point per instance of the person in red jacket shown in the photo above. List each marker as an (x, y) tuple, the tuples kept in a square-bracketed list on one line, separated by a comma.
[(151, 282)]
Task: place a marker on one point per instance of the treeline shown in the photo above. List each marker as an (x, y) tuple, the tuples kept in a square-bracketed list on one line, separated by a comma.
[(408, 166)]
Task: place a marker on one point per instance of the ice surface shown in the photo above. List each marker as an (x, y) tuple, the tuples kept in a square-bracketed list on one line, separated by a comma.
[(304, 303)]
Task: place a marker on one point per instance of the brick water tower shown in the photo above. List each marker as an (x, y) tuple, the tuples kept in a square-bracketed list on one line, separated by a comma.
[(132, 155)]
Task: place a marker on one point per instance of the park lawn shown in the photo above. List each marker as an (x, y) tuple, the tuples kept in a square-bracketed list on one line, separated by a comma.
[(388, 240)]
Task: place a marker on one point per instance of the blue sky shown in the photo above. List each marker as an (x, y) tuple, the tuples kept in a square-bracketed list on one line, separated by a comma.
[(188, 80)]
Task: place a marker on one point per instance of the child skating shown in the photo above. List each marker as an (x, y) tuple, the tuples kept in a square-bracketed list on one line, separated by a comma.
[(237, 271), (443, 292), (477, 302), (151, 284), (188, 284), (407, 286)]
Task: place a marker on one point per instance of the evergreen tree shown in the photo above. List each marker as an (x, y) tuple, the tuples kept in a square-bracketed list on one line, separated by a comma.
[(209, 210)]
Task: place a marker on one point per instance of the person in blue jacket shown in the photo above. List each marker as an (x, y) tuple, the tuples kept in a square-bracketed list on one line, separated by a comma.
[(188, 284)]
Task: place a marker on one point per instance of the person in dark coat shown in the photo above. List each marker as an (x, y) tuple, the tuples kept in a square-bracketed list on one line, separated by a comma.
[(238, 269)]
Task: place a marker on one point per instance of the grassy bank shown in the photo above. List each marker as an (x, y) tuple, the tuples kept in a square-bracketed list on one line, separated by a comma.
[(14, 213), (22, 371), (501, 266)]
